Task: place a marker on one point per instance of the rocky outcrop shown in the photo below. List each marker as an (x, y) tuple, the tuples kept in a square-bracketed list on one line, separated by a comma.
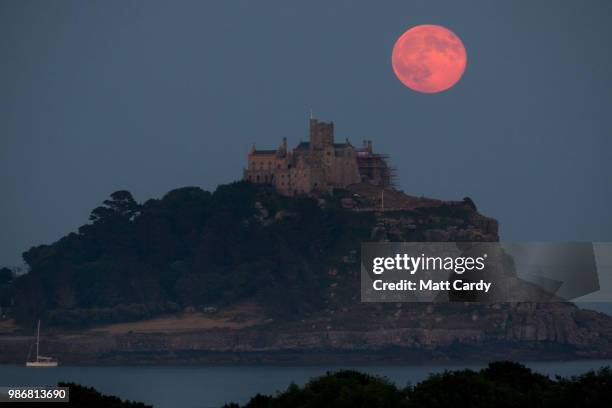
[(401, 217), (422, 225), (554, 330)]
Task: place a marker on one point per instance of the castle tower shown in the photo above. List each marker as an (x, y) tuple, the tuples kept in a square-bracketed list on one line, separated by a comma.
[(321, 134)]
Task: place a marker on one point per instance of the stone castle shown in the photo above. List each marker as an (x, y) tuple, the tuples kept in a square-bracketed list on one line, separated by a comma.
[(319, 165)]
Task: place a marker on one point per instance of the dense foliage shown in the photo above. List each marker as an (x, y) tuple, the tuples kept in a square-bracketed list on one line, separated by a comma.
[(191, 248), (6, 276), (87, 397), (500, 385)]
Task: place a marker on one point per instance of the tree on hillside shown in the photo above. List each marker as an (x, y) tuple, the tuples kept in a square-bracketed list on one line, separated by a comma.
[(121, 204), (6, 275)]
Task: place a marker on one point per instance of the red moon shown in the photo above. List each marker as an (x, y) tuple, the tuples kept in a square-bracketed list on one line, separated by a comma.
[(429, 58)]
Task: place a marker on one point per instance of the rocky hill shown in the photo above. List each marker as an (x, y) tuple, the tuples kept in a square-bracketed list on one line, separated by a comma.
[(246, 275)]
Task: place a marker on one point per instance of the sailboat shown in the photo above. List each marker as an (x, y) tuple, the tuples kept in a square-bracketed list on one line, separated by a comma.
[(41, 361)]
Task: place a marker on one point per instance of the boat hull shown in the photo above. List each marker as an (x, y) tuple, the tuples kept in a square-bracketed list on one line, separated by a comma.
[(41, 364)]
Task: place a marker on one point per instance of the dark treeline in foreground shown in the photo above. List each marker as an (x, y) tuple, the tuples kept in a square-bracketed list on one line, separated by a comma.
[(500, 385)]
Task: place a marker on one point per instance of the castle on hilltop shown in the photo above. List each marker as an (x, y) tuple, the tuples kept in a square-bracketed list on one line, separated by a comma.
[(318, 165)]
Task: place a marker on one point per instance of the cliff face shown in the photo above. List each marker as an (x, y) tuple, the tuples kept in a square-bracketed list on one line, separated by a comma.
[(445, 332), (401, 217)]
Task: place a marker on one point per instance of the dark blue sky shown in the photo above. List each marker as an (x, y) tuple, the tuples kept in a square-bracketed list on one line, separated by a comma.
[(148, 96)]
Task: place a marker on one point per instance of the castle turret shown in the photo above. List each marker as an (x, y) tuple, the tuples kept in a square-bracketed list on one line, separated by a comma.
[(282, 149), (321, 134)]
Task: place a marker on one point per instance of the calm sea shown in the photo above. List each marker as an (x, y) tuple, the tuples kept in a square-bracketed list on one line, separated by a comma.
[(199, 387)]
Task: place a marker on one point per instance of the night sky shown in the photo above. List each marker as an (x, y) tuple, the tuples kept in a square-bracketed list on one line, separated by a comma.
[(149, 96)]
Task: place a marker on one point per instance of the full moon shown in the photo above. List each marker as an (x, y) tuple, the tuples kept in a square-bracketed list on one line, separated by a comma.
[(429, 58)]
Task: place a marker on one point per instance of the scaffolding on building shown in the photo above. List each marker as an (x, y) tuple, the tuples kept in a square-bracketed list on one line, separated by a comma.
[(375, 168)]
